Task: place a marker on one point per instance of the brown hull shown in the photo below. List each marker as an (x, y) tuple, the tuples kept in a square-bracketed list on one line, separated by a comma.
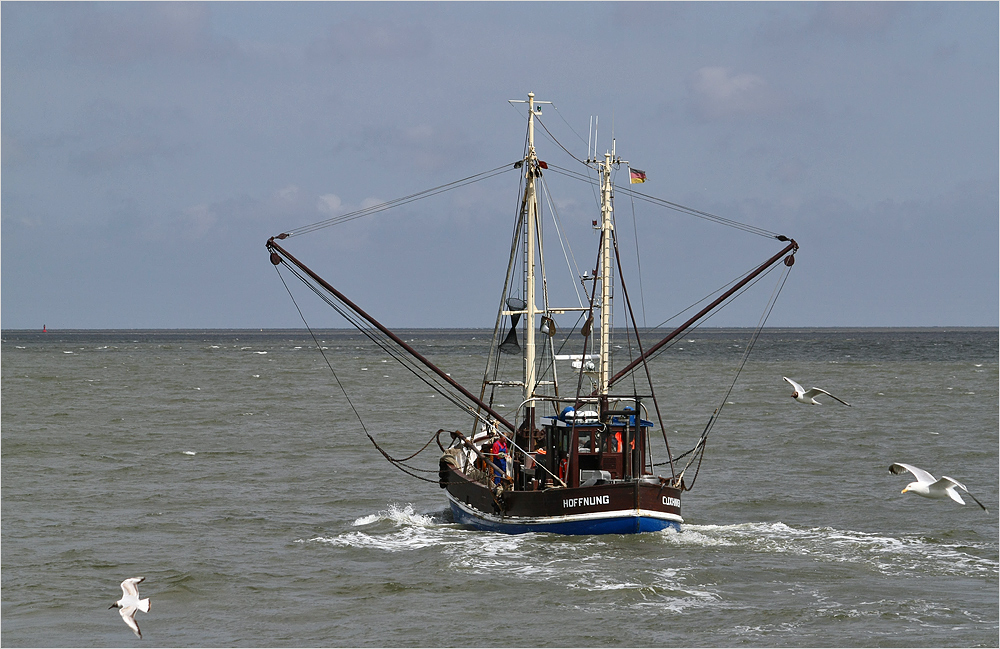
[(612, 508)]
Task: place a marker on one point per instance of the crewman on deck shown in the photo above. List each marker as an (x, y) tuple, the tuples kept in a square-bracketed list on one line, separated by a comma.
[(498, 455)]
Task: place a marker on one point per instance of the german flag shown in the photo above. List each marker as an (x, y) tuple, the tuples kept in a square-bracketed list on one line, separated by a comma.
[(636, 176)]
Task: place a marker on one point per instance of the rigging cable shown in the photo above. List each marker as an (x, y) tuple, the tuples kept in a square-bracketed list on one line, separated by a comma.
[(568, 125), (638, 260), (558, 143), (593, 181), (653, 199), (386, 345), (645, 364), (395, 462), (587, 329), (569, 257), (677, 207), (752, 229), (699, 448), (710, 294), (718, 309), (372, 209), (522, 199)]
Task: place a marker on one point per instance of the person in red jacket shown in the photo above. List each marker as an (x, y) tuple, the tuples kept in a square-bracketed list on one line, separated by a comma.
[(498, 456)]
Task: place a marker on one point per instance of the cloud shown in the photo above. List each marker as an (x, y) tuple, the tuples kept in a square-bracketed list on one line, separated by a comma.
[(717, 93), (200, 219), (329, 204), (289, 193)]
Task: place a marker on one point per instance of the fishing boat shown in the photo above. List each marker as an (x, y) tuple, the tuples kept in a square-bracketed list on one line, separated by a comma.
[(572, 457)]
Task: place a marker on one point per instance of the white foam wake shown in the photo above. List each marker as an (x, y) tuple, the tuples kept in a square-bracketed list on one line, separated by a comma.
[(887, 554)]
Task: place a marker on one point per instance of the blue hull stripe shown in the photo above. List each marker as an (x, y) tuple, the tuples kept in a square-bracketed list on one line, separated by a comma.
[(621, 522)]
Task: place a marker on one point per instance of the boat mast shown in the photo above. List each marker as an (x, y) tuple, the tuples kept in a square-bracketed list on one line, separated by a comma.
[(531, 171), (606, 276)]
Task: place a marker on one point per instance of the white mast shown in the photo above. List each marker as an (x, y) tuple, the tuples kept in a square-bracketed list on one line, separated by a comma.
[(531, 169), (606, 274)]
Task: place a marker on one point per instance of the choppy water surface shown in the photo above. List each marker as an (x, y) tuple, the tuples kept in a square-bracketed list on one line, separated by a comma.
[(228, 468)]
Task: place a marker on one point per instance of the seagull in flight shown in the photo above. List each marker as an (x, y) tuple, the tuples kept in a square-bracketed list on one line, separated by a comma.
[(930, 487), (130, 602), (808, 396)]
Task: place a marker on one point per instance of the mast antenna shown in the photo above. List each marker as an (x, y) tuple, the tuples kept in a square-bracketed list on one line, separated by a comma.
[(597, 121), (590, 134)]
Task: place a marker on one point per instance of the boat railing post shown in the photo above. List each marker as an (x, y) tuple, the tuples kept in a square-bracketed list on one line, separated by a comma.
[(573, 466), (643, 433), (626, 456)]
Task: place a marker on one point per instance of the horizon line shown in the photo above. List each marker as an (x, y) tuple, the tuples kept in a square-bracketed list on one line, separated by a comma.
[(305, 329)]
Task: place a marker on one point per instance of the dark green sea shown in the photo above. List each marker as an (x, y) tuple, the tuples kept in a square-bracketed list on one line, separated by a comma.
[(229, 469)]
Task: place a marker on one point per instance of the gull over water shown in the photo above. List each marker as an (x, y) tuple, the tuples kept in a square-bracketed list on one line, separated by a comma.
[(130, 603), (802, 395), (928, 486)]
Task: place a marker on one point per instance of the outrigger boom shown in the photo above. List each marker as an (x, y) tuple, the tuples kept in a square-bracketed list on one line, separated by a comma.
[(279, 254), (789, 261)]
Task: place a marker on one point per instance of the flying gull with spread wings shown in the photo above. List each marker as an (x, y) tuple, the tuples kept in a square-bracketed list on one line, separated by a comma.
[(130, 603), (930, 487), (809, 396)]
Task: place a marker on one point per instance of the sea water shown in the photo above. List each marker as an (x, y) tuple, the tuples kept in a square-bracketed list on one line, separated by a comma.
[(232, 470)]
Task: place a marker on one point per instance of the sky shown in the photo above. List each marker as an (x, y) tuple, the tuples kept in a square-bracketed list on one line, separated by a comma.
[(150, 149)]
